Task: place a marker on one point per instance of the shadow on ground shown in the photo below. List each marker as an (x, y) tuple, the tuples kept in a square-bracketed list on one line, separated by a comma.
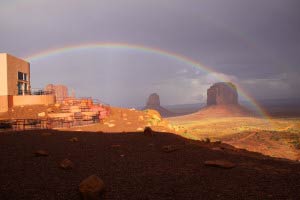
[(134, 166)]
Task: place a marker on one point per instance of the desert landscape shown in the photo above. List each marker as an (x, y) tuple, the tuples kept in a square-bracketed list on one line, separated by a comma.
[(140, 155), (149, 100)]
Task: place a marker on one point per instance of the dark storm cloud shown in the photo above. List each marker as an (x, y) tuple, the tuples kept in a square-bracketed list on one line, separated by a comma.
[(248, 40)]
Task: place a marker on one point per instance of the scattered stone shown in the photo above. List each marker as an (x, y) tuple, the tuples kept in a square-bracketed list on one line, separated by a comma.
[(141, 118), (50, 110), (218, 142), (207, 140), (46, 134), (66, 164), (122, 155), (139, 129), (42, 114), (41, 153), (216, 149), (111, 125), (170, 148), (220, 163), (91, 188), (74, 139), (148, 131)]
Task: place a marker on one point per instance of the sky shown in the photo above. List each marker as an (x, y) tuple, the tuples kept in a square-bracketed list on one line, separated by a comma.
[(254, 43)]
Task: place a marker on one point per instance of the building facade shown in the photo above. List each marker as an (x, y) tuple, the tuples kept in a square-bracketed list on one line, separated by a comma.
[(60, 91), (15, 84)]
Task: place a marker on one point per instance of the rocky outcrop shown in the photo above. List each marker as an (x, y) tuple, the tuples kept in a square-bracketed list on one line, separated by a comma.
[(153, 103), (223, 93)]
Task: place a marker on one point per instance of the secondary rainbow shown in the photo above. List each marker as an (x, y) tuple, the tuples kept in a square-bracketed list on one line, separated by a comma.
[(181, 58)]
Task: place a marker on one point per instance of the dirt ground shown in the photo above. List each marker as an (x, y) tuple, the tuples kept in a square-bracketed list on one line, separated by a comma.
[(133, 166), (277, 137)]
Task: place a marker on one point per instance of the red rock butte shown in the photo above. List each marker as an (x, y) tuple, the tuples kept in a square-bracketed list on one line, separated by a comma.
[(222, 94), (153, 103)]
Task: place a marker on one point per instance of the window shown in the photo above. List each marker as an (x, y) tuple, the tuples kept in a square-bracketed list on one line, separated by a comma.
[(22, 83), (20, 88), (22, 76)]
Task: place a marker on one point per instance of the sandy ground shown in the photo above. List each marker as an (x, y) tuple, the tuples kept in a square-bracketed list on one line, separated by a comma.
[(278, 137), (133, 166)]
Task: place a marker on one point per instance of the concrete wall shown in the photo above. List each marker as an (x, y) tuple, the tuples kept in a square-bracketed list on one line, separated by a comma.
[(15, 65), (3, 103), (3, 74), (33, 100)]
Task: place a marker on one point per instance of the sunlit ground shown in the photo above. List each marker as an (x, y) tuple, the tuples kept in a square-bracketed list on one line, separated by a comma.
[(278, 137)]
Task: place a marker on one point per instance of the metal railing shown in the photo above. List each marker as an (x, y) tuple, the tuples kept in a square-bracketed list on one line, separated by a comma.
[(47, 123), (34, 91)]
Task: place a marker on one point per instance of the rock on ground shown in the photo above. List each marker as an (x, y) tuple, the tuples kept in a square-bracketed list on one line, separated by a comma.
[(91, 188), (220, 163)]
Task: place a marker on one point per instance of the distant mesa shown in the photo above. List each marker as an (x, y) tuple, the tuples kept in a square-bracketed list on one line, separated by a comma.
[(153, 100), (222, 101), (222, 94), (153, 103)]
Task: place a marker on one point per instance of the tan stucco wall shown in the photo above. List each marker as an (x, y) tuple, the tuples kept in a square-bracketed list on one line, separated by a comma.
[(3, 103), (3, 74), (13, 66), (33, 100)]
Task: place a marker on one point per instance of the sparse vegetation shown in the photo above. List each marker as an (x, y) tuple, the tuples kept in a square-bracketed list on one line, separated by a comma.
[(279, 137)]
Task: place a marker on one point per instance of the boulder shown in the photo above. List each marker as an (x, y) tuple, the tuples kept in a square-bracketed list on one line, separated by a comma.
[(223, 93), (91, 188)]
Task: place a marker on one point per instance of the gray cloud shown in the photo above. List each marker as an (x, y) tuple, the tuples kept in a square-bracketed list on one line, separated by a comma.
[(253, 41)]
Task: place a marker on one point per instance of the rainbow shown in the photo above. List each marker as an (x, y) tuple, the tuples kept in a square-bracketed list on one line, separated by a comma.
[(156, 51)]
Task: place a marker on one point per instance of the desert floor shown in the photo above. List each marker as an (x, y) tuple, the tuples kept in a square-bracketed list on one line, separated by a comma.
[(134, 166), (277, 137)]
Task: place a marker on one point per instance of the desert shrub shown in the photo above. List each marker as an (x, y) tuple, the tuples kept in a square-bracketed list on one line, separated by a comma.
[(275, 137), (296, 144), (207, 140)]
